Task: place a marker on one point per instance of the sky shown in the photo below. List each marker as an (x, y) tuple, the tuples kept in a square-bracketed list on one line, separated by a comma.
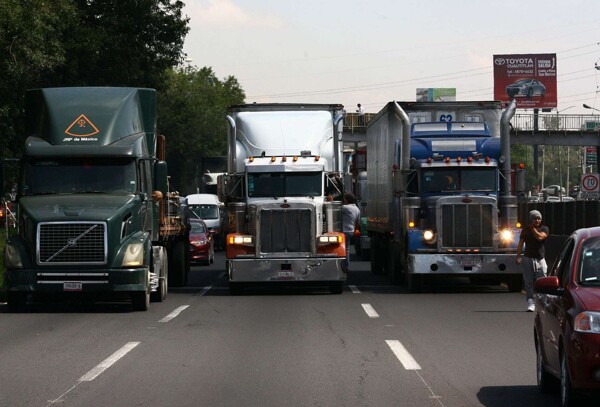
[(372, 52)]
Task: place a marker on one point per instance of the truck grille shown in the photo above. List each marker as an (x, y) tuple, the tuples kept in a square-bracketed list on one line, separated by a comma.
[(468, 226), (71, 243), (283, 231)]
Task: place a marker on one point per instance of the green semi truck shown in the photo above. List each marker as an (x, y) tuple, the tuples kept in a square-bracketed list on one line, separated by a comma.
[(95, 215)]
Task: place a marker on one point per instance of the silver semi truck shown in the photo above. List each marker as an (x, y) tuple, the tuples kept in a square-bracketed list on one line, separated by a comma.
[(284, 168)]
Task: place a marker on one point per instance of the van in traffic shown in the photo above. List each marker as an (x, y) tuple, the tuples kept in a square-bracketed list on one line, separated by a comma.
[(208, 208)]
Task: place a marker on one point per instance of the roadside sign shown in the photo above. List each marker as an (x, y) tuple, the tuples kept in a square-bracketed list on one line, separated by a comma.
[(591, 155), (590, 183)]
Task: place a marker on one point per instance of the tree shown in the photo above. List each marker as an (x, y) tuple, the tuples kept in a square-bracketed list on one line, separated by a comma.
[(31, 45), (123, 43), (82, 43), (192, 108)]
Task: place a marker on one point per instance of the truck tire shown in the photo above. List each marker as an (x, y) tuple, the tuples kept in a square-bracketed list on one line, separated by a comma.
[(515, 283), (140, 300), (16, 301), (236, 288), (365, 254), (377, 255), (395, 271), (336, 287), (163, 283), (178, 262), (414, 282)]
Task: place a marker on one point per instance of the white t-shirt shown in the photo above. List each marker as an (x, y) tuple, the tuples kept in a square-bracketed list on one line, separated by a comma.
[(350, 217)]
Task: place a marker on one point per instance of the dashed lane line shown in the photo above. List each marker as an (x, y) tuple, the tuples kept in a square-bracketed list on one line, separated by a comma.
[(370, 311), (410, 363), (174, 314), (403, 356), (98, 370), (108, 362), (354, 289)]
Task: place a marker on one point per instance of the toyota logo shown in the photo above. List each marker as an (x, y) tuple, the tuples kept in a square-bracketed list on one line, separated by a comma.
[(500, 61)]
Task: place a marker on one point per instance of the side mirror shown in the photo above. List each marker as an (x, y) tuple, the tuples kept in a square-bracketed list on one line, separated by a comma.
[(548, 285)]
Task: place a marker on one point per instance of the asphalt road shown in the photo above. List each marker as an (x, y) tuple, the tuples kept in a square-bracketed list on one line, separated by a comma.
[(373, 345)]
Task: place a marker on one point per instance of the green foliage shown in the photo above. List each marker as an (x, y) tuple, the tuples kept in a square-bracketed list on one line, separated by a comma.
[(2, 269), (191, 114), (82, 43), (555, 164), (123, 43), (32, 35)]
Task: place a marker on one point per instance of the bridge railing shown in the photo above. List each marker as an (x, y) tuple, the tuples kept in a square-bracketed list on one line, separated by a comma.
[(520, 122), (352, 122), (549, 121)]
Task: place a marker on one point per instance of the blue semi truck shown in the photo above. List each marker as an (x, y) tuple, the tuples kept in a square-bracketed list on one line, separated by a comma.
[(440, 200)]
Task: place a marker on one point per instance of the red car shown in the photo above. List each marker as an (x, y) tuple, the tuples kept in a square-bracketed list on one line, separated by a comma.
[(202, 247), (567, 319)]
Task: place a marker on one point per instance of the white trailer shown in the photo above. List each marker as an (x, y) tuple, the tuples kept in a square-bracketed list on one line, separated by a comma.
[(283, 160)]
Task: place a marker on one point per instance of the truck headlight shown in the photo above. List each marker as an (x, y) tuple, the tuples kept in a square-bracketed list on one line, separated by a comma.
[(506, 235), (241, 240), (134, 255), (331, 239), (428, 235)]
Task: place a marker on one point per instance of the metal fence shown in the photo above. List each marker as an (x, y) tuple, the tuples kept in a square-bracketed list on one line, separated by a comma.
[(520, 122), (553, 121)]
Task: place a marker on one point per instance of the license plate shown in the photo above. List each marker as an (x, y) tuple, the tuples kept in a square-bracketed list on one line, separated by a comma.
[(469, 263), (72, 286), (286, 274)]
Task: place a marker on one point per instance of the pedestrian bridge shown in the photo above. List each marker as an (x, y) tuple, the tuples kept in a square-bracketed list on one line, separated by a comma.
[(527, 129)]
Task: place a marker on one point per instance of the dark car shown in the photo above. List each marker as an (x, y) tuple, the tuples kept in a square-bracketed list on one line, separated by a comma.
[(567, 319), (202, 249), (526, 88)]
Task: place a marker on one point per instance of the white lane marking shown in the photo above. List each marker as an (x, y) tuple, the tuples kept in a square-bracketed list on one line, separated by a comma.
[(432, 394), (354, 289), (370, 311), (173, 314), (205, 290), (108, 362), (403, 356), (97, 371)]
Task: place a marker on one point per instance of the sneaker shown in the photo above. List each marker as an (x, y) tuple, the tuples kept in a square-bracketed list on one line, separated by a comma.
[(530, 307)]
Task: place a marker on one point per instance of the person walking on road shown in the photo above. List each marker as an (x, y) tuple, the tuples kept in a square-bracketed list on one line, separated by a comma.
[(534, 266), (350, 222)]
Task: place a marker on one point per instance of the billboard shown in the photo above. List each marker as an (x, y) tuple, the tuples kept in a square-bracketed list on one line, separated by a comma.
[(436, 94), (530, 79)]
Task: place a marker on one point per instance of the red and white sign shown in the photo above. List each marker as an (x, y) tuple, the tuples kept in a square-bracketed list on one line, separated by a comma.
[(530, 79), (590, 183)]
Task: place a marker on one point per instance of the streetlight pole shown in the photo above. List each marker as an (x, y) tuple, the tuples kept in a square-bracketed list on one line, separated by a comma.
[(560, 158)]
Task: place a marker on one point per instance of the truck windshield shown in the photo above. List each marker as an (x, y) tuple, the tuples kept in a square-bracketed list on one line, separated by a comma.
[(281, 184), (79, 175), (205, 211), (460, 179)]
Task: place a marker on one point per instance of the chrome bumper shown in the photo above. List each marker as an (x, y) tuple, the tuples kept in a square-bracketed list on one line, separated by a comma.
[(312, 269), (454, 263)]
